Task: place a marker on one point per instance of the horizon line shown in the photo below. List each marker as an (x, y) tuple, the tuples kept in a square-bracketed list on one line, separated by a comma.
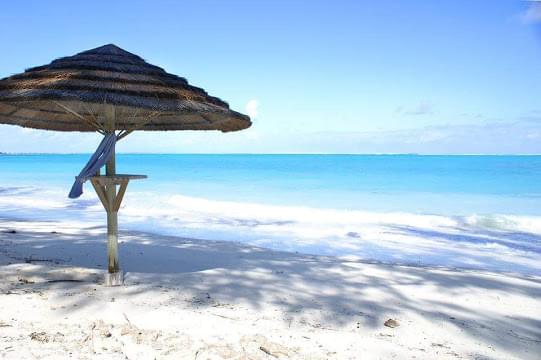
[(247, 153)]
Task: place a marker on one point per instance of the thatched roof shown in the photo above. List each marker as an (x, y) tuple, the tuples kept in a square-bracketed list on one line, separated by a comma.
[(72, 93)]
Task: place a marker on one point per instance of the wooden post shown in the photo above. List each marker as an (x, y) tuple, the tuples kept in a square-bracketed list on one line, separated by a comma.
[(105, 187), (114, 275)]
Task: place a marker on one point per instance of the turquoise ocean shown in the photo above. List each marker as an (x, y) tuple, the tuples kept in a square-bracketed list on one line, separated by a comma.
[(306, 203), (448, 185)]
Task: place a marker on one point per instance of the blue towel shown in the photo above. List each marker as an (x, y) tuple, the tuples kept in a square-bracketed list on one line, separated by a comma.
[(98, 159)]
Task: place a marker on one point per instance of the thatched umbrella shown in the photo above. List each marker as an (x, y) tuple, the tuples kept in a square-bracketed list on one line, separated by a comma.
[(111, 91)]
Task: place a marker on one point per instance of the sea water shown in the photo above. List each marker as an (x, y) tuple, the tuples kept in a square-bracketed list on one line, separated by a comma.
[(449, 185), (345, 205)]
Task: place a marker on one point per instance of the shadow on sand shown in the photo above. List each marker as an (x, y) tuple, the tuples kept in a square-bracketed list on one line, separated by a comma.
[(340, 293)]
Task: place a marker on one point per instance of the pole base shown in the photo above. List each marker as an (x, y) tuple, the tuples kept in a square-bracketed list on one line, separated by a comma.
[(114, 279)]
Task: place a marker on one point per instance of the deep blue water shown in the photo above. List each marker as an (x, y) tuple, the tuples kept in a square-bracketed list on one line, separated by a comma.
[(411, 183)]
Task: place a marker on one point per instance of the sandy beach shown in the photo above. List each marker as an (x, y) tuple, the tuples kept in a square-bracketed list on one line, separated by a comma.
[(201, 299), (260, 180)]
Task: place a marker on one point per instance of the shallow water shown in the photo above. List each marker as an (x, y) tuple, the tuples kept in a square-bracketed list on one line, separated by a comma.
[(464, 211), (450, 185)]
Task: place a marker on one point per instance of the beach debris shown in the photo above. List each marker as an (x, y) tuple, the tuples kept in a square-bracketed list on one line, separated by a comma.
[(31, 259), (39, 336), (102, 328), (391, 323), (64, 280), (125, 317), (267, 351), (125, 330), (261, 343), (202, 299), (58, 337), (223, 305), (140, 336)]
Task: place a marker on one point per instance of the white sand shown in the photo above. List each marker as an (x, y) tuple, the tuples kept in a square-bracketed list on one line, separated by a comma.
[(495, 242), (196, 299)]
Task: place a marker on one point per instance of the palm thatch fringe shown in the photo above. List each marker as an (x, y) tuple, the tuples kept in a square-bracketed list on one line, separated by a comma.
[(88, 82)]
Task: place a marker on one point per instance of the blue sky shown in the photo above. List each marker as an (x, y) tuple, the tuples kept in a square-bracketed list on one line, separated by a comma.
[(316, 76)]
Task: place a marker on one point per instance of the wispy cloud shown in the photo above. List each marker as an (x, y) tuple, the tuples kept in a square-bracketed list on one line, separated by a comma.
[(486, 137), (521, 136), (496, 137), (252, 108), (532, 13), (26, 140), (534, 115), (423, 108)]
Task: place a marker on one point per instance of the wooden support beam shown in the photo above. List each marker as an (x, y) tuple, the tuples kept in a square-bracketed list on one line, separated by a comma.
[(91, 122), (120, 195), (127, 132), (114, 276), (106, 188), (101, 194)]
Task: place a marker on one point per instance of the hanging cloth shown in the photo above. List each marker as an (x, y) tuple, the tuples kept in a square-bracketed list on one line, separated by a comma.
[(98, 159)]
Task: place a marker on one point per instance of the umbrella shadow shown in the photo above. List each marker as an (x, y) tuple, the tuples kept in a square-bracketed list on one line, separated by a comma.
[(518, 240), (337, 294)]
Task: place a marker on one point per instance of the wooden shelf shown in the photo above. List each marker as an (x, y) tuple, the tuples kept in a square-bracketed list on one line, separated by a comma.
[(105, 186), (116, 179)]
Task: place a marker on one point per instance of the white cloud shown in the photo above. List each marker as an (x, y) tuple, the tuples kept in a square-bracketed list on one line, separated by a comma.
[(486, 137), (495, 137), (431, 136), (533, 13), (423, 108), (252, 108)]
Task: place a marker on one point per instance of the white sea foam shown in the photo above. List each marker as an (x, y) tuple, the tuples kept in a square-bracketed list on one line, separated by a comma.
[(494, 242)]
